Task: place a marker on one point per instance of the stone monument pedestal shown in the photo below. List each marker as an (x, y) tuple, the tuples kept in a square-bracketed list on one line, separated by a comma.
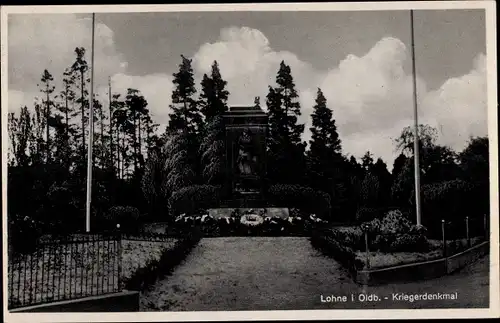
[(246, 132)]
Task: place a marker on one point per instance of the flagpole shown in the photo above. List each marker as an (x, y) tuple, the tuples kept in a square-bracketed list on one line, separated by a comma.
[(416, 152), (91, 131)]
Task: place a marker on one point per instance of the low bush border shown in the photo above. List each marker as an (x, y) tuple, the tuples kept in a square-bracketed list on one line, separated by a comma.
[(145, 276), (334, 249), (418, 270)]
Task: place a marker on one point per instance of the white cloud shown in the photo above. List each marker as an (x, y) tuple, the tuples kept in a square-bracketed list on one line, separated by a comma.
[(38, 42), (248, 63), (371, 95), (459, 107)]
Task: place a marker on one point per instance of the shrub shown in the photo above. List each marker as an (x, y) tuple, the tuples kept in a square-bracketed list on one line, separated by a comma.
[(394, 222), (23, 233), (192, 199), (365, 214), (335, 248), (126, 216), (409, 243), (301, 197), (448, 200), (395, 233)]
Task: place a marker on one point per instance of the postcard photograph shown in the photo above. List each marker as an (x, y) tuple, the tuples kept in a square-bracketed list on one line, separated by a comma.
[(201, 161)]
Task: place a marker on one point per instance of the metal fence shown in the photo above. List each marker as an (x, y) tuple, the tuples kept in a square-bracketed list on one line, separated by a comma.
[(456, 237), (65, 268), (74, 266), (460, 235)]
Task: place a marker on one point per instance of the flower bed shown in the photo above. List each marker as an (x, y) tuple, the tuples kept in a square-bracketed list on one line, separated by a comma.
[(250, 223), (392, 241)]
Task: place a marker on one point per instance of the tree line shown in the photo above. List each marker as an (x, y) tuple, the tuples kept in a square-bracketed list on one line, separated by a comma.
[(135, 164)]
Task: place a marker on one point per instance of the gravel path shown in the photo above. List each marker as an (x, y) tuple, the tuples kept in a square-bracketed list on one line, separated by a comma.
[(285, 273)]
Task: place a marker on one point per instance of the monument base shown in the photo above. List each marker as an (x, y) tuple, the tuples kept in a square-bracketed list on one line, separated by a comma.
[(273, 212)]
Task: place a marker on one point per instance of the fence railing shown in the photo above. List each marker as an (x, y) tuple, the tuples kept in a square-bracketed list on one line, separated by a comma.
[(70, 267), (456, 236), (65, 268)]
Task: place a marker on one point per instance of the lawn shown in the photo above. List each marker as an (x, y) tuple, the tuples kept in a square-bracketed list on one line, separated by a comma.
[(77, 270), (287, 273)]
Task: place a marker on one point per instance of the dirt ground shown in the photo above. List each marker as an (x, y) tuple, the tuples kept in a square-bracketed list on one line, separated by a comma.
[(286, 273)]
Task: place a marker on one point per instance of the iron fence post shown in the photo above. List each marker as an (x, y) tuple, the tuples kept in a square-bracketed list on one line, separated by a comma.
[(366, 247), (444, 237), (467, 231), (119, 255)]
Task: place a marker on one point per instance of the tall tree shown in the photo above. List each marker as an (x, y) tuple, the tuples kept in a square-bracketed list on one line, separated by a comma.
[(213, 103), (66, 109), (398, 165), (136, 105), (178, 164), (474, 160), (213, 151), (427, 137), (324, 155), (47, 88), (367, 161), (213, 97), (19, 130), (185, 115), (37, 142), (80, 67), (380, 171), (285, 148)]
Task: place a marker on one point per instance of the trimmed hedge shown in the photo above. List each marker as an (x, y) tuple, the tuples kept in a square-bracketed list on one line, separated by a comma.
[(170, 258), (301, 197), (192, 199), (333, 246)]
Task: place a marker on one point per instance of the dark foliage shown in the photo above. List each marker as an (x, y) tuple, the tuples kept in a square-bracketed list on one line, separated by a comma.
[(301, 197), (333, 246), (126, 216), (192, 199)]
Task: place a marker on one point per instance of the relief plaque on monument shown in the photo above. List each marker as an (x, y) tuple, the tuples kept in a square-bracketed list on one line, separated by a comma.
[(246, 129)]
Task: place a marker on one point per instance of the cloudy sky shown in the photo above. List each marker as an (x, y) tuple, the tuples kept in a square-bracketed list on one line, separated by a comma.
[(361, 61)]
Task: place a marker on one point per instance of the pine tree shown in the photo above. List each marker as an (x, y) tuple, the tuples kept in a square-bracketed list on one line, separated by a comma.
[(47, 89), (324, 155), (213, 151), (367, 161), (136, 105), (380, 171), (285, 149), (213, 103), (66, 109), (398, 165), (185, 115), (213, 97), (80, 67)]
